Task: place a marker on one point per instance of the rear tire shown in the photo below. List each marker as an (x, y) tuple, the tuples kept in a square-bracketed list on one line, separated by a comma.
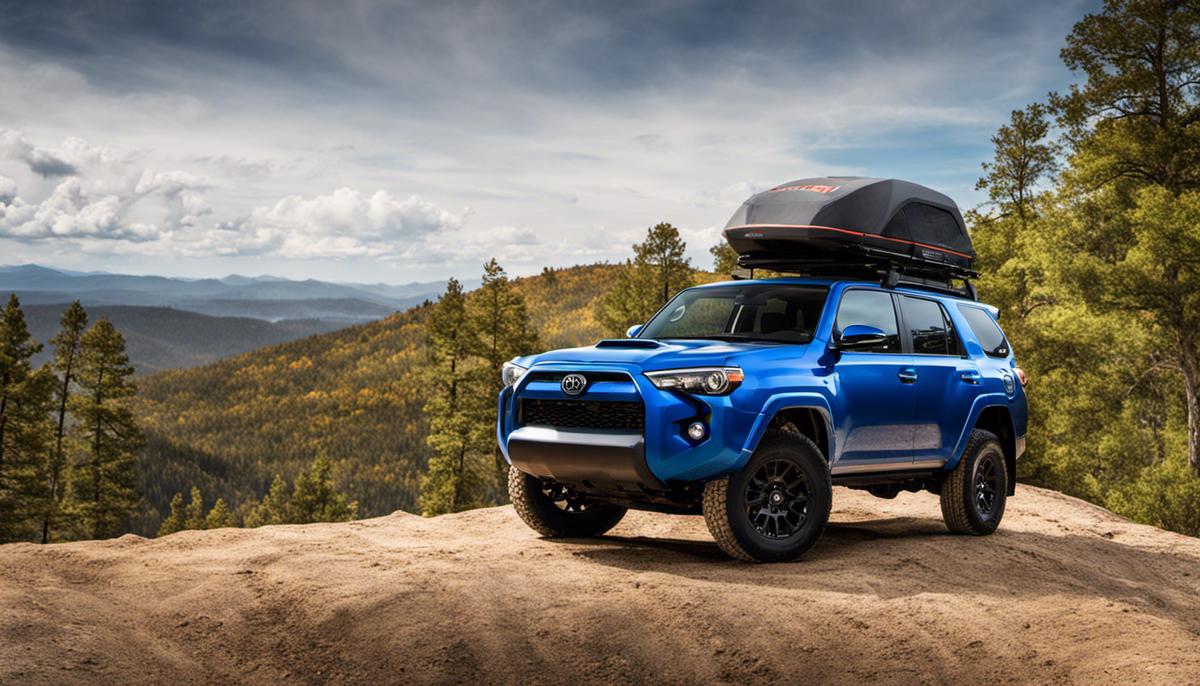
[(552, 511), (975, 492), (776, 507)]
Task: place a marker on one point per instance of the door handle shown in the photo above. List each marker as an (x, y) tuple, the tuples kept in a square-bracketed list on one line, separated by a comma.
[(907, 375), (972, 377)]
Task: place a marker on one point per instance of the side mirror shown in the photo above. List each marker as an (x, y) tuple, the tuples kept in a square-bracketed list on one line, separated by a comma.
[(633, 331), (859, 336)]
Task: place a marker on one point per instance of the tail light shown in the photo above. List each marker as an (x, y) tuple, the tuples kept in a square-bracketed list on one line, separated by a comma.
[(1021, 376)]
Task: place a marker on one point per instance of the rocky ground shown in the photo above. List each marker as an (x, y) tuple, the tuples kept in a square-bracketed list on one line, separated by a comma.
[(1064, 592)]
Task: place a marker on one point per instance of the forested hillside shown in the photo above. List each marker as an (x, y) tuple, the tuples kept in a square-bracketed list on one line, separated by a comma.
[(161, 338), (353, 395)]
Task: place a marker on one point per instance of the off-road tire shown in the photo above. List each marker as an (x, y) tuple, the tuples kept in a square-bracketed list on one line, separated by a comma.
[(542, 515), (727, 516), (961, 508)]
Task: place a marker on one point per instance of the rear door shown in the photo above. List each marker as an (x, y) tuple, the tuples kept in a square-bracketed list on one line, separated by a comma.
[(947, 380), (878, 398)]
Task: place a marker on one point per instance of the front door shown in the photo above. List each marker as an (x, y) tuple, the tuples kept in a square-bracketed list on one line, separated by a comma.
[(876, 385)]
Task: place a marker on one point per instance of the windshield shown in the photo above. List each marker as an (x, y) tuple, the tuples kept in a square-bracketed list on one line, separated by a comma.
[(779, 313)]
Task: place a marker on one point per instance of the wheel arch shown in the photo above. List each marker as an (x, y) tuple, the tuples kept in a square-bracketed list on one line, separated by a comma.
[(808, 413), (998, 420)]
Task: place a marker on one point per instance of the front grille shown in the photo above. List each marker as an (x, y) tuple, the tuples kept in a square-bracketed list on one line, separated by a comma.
[(583, 414), (592, 377)]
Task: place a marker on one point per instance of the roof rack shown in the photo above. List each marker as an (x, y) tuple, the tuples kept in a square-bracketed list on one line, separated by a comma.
[(860, 265)]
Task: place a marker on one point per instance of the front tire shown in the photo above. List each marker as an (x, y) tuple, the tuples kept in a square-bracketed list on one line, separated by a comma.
[(975, 492), (776, 507), (553, 511)]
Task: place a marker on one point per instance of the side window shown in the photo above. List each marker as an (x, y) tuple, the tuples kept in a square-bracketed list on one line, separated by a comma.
[(871, 308), (928, 325), (986, 330)]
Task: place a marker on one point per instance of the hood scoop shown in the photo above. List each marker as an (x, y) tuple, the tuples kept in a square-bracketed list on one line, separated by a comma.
[(640, 343)]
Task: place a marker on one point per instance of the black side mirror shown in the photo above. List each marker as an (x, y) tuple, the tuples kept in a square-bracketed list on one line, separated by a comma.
[(859, 337)]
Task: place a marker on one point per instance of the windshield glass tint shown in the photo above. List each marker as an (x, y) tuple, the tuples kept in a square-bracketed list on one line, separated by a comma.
[(781, 313)]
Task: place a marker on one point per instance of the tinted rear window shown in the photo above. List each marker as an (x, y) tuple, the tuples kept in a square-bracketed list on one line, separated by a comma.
[(986, 330), (931, 333)]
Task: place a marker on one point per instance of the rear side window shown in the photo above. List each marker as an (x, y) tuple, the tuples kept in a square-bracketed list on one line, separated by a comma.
[(871, 308), (986, 330), (931, 331)]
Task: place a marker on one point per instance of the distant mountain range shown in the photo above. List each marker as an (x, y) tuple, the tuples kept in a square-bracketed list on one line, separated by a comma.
[(273, 298), (174, 322)]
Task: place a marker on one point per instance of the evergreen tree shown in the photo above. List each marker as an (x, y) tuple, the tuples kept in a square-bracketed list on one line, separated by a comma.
[(499, 323), (314, 498), (725, 258), (658, 271), (176, 521), (661, 258), (219, 517), (1133, 128), (67, 344), (275, 507), (193, 516), (24, 427), (459, 471), (105, 481)]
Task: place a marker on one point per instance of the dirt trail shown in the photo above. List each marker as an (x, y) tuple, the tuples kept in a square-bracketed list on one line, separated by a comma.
[(1065, 592)]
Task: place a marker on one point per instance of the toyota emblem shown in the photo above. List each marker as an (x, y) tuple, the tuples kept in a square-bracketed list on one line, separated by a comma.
[(573, 384)]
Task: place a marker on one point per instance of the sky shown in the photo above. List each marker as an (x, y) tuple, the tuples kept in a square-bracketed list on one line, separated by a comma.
[(410, 141)]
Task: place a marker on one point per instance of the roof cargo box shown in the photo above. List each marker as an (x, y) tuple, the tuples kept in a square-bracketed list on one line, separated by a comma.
[(847, 224)]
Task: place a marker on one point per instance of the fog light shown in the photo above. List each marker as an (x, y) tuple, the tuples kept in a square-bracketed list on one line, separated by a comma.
[(696, 431)]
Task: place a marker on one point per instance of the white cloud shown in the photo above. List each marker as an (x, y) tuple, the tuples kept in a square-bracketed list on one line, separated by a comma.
[(348, 222), (71, 212), (8, 190)]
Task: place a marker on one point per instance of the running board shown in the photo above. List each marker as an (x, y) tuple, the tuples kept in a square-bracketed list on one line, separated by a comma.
[(881, 478)]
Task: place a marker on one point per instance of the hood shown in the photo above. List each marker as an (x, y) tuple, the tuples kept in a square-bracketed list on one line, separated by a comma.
[(657, 355)]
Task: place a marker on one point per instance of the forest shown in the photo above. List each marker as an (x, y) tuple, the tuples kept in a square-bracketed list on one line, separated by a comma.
[(1088, 242)]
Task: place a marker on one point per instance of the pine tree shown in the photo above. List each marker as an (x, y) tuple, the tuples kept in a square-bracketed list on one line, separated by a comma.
[(24, 428), (657, 272), (275, 507), (725, 258), (459, 471), (66, 362), (499, 324), (193, 516), (314, 498), (661, 257), (1134, 133), (105, 480), (176, 521), (219, 517)]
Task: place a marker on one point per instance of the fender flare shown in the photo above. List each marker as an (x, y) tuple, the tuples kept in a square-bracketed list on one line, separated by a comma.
[(981, 403), (788, 401)]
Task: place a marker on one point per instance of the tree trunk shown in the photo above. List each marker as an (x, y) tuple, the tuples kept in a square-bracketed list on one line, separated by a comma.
[(1191, 380), (3, 422), (57, 463), (96, 442)]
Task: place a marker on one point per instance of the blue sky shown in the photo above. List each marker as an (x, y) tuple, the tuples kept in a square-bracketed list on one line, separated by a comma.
[(384, 141)]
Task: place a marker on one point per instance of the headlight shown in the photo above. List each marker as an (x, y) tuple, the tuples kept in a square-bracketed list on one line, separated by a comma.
[(705, 380), (511, 373)]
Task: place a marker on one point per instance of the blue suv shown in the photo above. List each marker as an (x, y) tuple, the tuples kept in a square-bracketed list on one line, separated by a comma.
[(746, 401)]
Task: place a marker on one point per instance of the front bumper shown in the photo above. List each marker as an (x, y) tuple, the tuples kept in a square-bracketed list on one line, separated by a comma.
[(596, 460), (623, 460)]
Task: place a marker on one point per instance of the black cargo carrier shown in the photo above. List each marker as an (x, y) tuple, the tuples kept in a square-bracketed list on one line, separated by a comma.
[(855, 226)]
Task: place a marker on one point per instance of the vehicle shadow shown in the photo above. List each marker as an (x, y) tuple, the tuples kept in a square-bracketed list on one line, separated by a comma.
[(903, 557)]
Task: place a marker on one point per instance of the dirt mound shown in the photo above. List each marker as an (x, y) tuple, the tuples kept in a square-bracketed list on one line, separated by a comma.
[(1064, 592)]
